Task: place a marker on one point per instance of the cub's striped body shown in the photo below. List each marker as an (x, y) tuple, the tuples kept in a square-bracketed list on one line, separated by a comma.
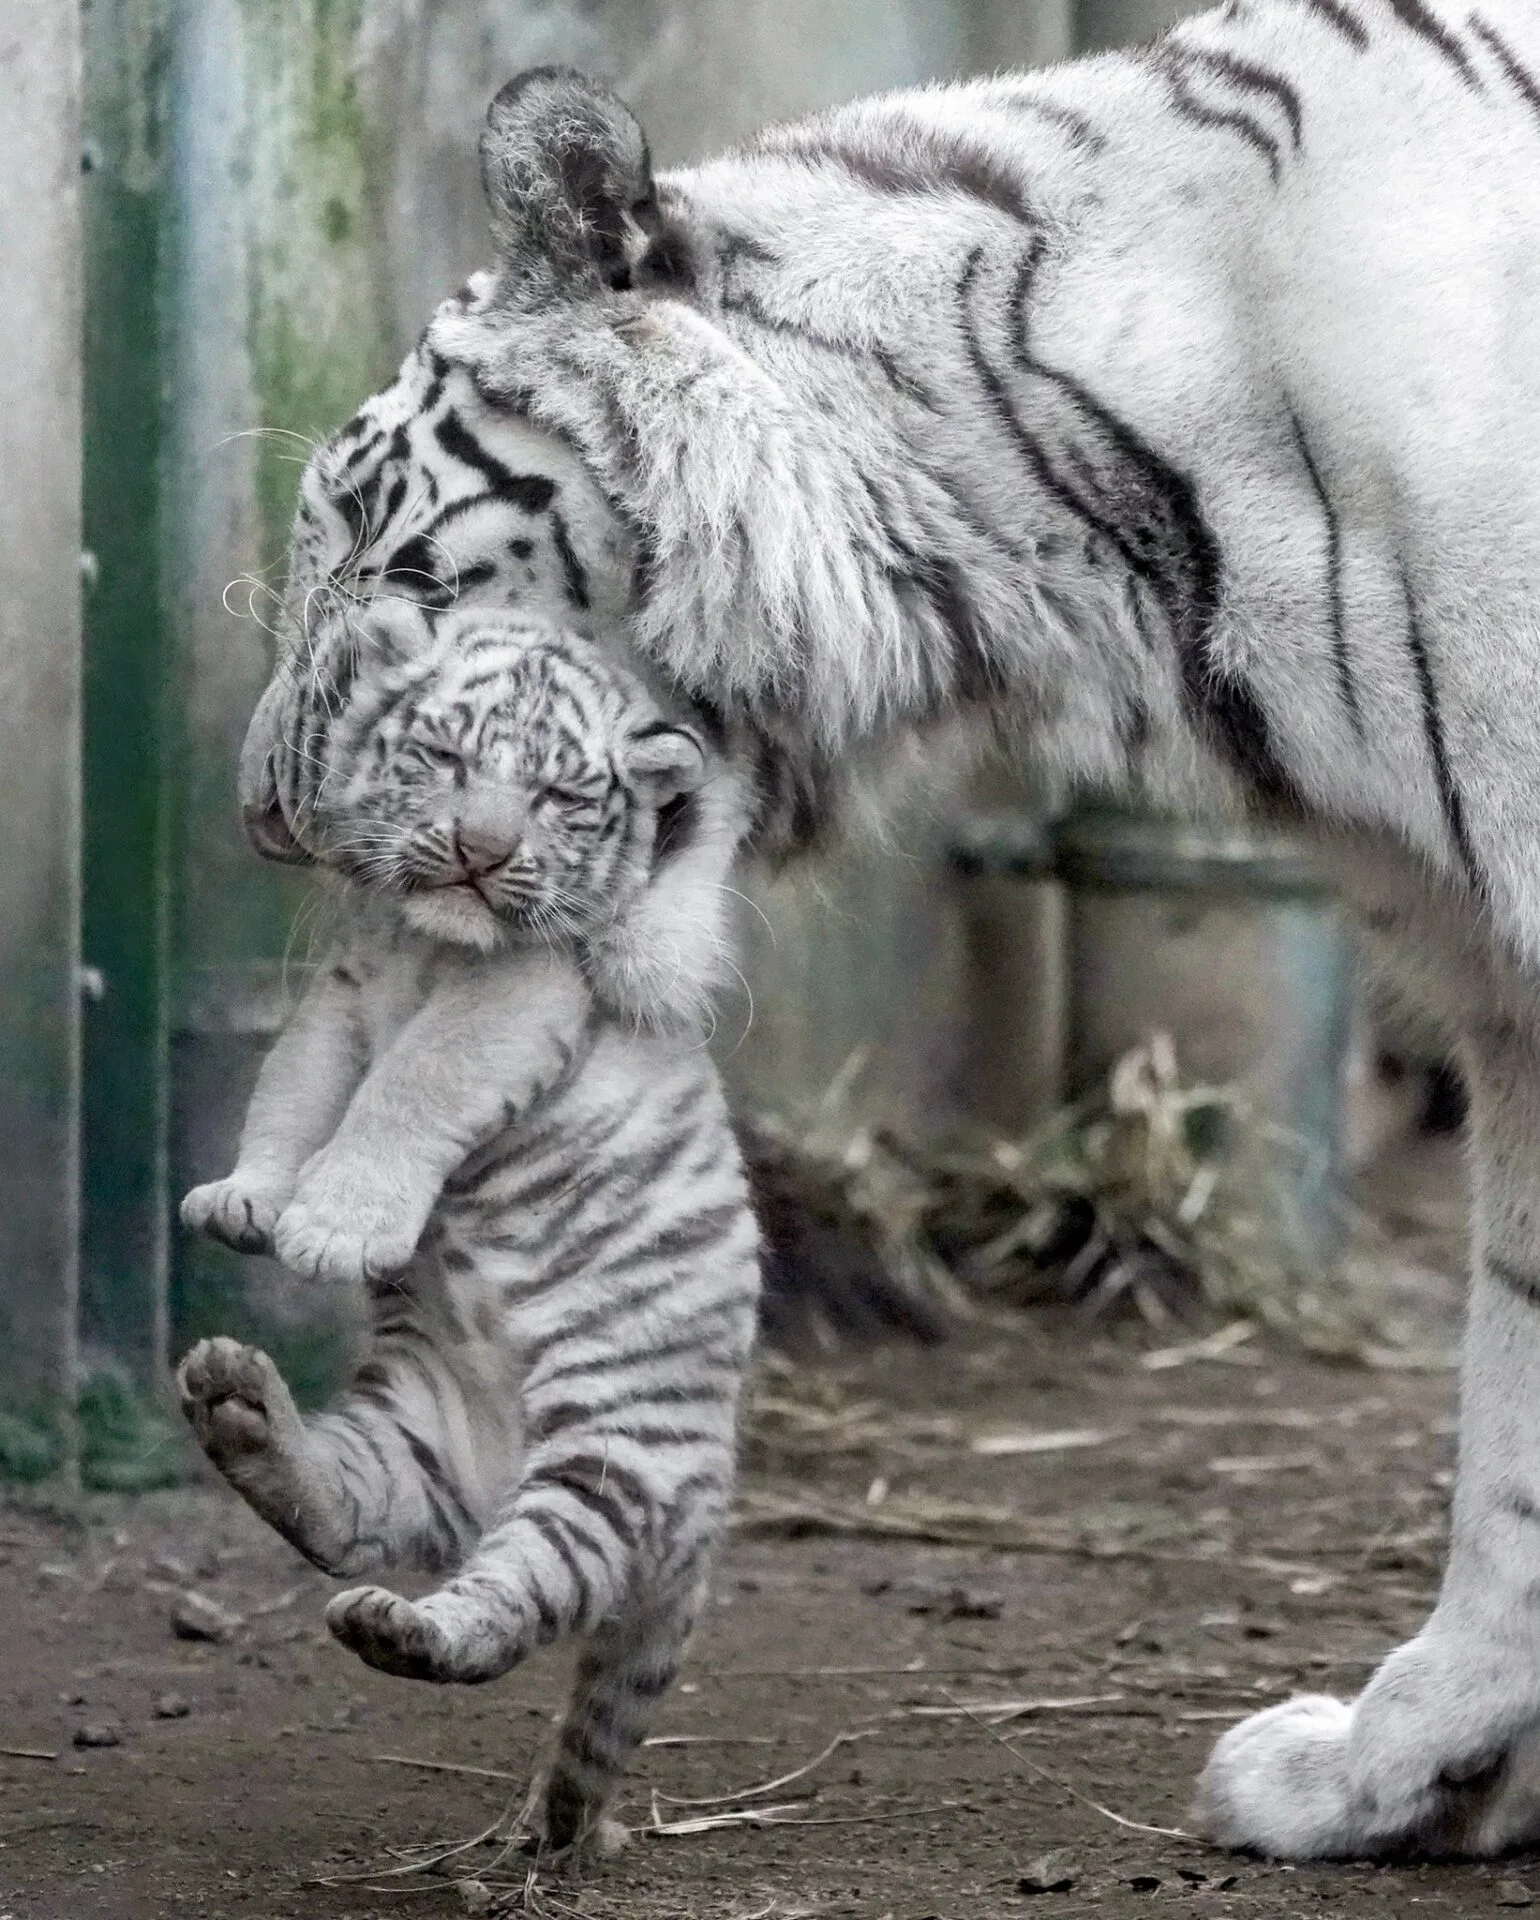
[(1174, 412), (539, 1188)]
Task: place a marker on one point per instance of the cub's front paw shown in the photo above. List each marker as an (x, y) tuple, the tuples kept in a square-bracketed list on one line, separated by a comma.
[(241, 1211), (341, 1226), (326, 1246)]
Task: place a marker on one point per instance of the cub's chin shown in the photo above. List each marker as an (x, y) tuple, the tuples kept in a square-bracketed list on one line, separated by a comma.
[(456, 915)]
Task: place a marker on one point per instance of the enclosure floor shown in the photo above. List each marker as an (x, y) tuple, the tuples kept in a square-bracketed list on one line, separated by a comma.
[(1252, 1529)]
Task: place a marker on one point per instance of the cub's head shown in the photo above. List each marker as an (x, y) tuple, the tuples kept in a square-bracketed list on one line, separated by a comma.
[(497, 776)]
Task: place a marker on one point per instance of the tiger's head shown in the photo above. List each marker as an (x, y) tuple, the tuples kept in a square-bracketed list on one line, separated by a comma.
[(454, 489), (438, 495)]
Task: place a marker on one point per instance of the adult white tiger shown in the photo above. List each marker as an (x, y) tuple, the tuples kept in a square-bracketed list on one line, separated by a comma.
[(1175, 410)]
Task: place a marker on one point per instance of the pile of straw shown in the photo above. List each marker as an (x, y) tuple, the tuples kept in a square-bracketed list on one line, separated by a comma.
[(1151, 1197)]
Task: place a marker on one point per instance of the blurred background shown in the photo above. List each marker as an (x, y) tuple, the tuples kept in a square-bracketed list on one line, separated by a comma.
[(221, 225)]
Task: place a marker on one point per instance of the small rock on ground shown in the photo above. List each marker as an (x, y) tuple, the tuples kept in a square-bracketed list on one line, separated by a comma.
[(97, 1733), (1049, 1873), (195, 1617)]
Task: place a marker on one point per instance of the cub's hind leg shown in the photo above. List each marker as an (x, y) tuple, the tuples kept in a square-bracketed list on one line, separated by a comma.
[(240, 1407), (405, 1469), (627, 1666), (630, 1402)]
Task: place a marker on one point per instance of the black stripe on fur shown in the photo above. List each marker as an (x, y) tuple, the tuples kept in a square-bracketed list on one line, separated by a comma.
[(1438, 747), (1176, 65), (1347, 685), (1112, 481), (1518, 75), (1415, 17), (1341, 20), (940, 165)]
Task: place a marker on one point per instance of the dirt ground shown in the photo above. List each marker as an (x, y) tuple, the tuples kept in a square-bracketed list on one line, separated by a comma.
[(1185, 1543)]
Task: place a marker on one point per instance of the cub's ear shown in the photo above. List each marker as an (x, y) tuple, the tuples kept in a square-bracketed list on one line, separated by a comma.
[(568, 177), (262, 814), (668, 761)]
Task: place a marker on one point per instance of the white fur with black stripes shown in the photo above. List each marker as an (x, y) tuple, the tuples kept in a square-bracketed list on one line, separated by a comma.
[(1176, 411), (539, 1190)]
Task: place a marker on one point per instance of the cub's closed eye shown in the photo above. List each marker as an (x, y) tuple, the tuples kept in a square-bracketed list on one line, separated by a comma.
[(569, 799), (437, 756)]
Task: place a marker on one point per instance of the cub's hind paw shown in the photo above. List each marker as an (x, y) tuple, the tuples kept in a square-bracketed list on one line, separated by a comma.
[(239, 1212), (392, 1633), (248, 1425), (571, 1846), (447, 1636), (235, 1401)]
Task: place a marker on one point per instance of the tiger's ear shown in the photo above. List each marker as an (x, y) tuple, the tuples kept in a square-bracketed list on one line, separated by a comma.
[(568, 177), (668, 761), (262, 815)]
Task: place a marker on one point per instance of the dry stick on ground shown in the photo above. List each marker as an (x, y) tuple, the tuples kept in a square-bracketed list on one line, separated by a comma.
[(710, 1740), (1118, 1819), (771, 1786), (916, 1670), (1000, 1711), (771, 1817), (26, 1753), (441, 1766), (439, 1855)]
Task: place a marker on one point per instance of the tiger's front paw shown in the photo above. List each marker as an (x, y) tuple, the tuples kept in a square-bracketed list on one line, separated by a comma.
[(1439, 1755), (241, 1211), (343, 1224)]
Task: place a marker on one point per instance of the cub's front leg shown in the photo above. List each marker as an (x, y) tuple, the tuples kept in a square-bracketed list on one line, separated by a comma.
[(301, 1093), (359, 1208), (493, 1036)]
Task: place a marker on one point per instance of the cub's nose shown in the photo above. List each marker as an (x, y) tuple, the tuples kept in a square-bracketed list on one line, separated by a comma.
[(481, 846)]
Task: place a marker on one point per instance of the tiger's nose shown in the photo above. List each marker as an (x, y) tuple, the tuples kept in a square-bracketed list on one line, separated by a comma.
[(480, 846)]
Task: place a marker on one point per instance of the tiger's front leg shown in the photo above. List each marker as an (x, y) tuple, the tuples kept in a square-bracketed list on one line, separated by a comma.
[(1441, 1751)]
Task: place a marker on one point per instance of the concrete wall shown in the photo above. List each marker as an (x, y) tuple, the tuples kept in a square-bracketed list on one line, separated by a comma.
[(40, 538)]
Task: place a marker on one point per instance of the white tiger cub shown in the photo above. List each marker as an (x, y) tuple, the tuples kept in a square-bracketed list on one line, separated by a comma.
[(1174, 410), (475, 1112)]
